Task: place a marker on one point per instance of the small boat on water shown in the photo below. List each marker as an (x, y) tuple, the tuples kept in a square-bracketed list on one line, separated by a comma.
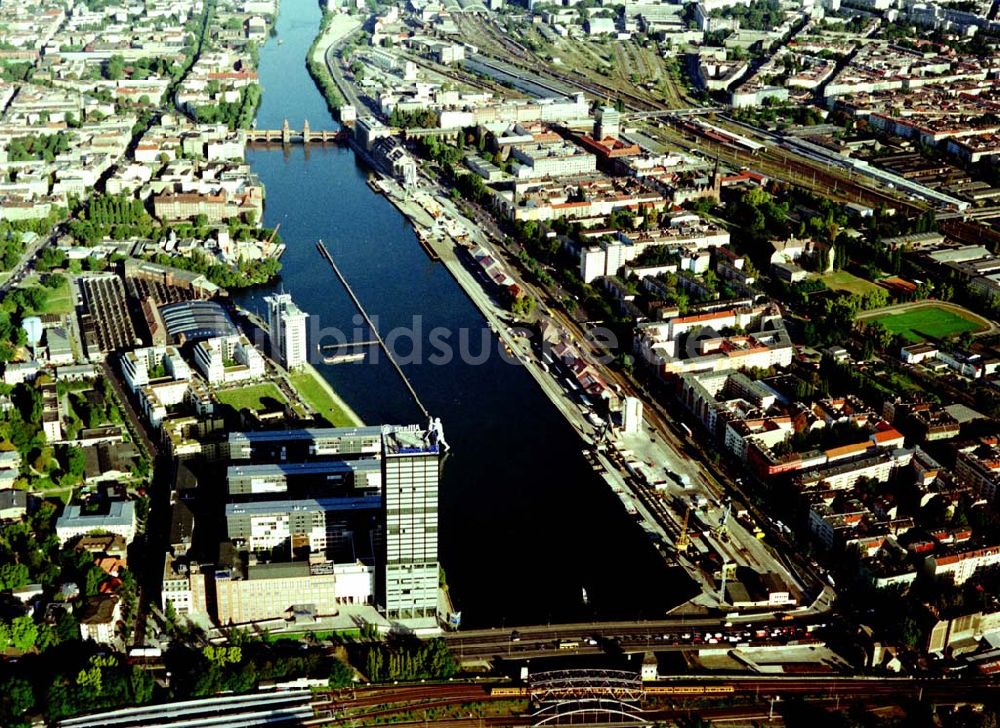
[(343, 358), (425, 244)]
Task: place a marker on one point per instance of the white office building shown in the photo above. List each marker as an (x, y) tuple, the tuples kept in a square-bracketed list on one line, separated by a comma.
[(382, 480), (228, 359), (287, 327), (141, 366), (412, 463), (120, 519)]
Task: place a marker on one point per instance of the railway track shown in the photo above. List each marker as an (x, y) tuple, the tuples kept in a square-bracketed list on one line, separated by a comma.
[(784, 165), (499, 39), (623, 60), (630, 99), (382, 694), (520, 57), (463, 77), (663, 700), (790, 158)]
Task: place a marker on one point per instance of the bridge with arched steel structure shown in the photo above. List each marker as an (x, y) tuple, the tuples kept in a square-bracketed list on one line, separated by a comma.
[(564, 697)]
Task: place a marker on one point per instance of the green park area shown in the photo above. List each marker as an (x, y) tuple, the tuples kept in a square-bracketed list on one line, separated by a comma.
[(316, 396), (254, 397), (51, 294), (841, 280), (59, 299), (929, 321)]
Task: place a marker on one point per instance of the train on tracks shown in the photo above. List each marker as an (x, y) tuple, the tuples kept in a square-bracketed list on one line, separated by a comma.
[(515, 691), (690, 690), (724, 137)]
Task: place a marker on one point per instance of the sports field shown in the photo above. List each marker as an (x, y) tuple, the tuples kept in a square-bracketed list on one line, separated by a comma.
[(841, 280), (929, 321)]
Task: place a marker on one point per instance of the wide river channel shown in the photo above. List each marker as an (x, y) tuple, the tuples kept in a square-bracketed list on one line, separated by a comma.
[(525, 523)]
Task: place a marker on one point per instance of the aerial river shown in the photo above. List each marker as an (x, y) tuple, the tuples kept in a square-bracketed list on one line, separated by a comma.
[(525, 523)]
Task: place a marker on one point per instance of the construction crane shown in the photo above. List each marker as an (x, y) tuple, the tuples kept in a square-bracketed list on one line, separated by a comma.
[(682, 538), (723, 530), (726, 567), (274, 233), (270, 241)]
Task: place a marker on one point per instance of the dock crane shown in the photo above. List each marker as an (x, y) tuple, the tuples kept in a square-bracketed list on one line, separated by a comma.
[(723, 530)]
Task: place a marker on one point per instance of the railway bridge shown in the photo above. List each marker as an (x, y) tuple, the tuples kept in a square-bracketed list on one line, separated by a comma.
[(287, 135), (572, 696)]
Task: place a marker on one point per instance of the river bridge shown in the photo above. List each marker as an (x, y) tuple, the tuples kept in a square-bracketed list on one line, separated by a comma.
[(287, 135)]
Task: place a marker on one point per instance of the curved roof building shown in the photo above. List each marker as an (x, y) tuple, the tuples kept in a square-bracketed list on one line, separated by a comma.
[(196, 321)]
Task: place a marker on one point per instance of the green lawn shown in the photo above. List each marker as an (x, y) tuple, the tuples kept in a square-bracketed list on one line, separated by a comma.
[(318, 635), (58, 301), (841, 280), (927, 321), (317, 397), (251, 397), (51, 490)]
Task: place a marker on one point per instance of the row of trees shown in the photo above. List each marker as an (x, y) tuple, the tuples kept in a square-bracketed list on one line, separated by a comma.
[(11, 250), (472, 188), (831, 318), (115, 210), (415, 119), (41, 147), (116, 216), (445, 154), (115, 69), (16, 71), (408, 660), (104, 681), (781, 114), (318, 70), (234, 114), (20, 633), (80, 681), (758, 15), (241, 665), (247, 273)]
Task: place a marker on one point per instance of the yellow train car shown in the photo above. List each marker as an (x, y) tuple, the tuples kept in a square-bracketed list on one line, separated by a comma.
[(509, 691), (690, 690)]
